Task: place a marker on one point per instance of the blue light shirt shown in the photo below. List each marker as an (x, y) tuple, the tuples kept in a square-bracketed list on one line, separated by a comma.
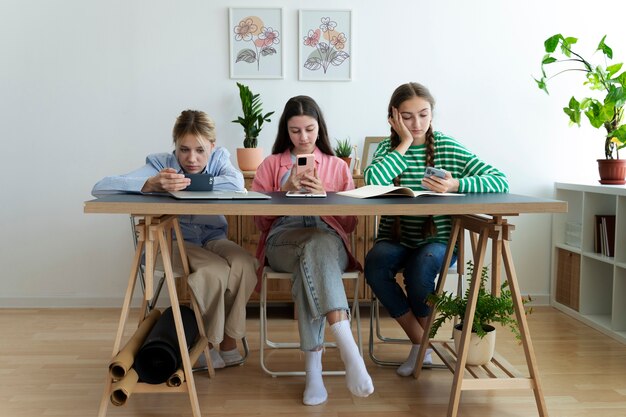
[(196, 229)]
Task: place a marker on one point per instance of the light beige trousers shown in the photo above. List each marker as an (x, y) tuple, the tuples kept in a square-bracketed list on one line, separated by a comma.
[(222, 278)]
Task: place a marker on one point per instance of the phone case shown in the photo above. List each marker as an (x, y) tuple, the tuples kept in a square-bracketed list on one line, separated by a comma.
[(310, 163)]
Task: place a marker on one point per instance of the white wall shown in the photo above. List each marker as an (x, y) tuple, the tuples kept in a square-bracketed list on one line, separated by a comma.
[(88, 88)]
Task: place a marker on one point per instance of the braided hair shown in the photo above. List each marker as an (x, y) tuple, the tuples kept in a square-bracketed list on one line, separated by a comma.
[(400, 95)]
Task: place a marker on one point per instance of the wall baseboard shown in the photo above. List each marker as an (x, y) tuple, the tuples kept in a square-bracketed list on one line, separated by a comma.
[(66, 302)]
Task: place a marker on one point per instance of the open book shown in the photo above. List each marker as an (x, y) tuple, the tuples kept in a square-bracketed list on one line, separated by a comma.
[(368, 191)]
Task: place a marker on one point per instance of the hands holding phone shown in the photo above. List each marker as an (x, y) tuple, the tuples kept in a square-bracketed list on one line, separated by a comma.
[(439, 181), (167, 179), (304, 176)]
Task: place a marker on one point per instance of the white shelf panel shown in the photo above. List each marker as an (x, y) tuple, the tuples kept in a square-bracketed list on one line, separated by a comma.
[(599, 257), (572, 249), (602, 280)]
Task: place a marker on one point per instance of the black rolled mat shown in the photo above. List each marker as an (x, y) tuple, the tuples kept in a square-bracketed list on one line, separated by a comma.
[(159, 356)]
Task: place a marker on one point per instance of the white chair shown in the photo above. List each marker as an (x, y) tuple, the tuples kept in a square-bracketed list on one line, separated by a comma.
[(454, 270), (268, 274), (182, 291)]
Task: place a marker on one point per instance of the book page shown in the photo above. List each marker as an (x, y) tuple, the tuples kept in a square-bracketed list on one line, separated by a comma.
[(368, 191)]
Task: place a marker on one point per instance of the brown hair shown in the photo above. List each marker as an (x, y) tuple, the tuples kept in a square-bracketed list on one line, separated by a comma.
[(301, 106), (399, 96), (196, 122)]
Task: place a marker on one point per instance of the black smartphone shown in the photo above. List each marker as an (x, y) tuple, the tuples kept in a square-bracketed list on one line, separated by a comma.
[(200, 182)]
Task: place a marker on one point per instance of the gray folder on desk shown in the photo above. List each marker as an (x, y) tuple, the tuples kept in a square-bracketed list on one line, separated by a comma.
[(219, 195)]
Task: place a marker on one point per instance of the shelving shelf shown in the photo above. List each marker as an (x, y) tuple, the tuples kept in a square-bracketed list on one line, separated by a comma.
[(588, 285)]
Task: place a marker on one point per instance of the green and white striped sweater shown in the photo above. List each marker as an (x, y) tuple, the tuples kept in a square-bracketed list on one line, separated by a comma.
[(474, 175)]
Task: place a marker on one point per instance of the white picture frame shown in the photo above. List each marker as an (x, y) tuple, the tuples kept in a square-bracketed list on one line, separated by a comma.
[(325, 45), (256, 48)]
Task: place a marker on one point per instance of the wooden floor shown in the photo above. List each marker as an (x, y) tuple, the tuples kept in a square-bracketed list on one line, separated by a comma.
[(53, 363)]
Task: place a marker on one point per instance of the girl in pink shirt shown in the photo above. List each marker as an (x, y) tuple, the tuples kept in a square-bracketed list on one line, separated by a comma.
[(314, 249)]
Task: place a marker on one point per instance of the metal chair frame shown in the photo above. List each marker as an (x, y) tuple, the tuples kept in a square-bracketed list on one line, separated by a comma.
[(376, 330), (268, 273)]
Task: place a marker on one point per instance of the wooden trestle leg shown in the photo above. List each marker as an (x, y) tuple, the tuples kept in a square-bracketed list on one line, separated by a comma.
[(497, 374), (153, 236)]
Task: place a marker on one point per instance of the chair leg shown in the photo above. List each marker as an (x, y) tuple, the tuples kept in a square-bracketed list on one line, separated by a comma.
[(375, 329), (266, 342)]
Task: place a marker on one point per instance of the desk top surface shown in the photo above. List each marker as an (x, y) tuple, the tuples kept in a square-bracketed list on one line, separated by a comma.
[(336, 205)]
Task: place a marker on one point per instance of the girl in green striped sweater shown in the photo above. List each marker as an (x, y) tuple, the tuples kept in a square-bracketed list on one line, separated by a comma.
[(416, 244)]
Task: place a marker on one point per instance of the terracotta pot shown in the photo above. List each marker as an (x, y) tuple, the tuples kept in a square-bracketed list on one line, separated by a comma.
[(249, 159), (480, 350), (612, 171), (347, 160)]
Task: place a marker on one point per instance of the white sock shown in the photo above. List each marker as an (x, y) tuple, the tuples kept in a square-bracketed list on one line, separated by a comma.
[(314, 389), (358, 380), (408, 366), (216, 359), (231, 356)]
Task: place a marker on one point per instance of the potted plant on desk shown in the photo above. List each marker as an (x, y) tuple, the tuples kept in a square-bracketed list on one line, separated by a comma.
[(250, 157), (343, 150), (606, 111), (489, 309)]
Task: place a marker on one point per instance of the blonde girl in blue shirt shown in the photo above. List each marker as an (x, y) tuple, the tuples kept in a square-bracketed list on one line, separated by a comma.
[(223, 275)]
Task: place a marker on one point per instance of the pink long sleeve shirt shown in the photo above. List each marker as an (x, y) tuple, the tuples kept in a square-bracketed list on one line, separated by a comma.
[(335, 176)]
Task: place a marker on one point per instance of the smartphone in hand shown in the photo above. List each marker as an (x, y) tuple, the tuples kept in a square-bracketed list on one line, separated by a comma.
[(305, 162), (200, 182), (436, 172)]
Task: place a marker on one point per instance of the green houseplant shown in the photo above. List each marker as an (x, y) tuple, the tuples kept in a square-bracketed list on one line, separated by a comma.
[(489, 309), (604, 107), (249, 157), (343, 150)]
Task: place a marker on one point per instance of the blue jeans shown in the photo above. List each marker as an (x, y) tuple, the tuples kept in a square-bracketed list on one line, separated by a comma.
[(421, 266), (317, 258)]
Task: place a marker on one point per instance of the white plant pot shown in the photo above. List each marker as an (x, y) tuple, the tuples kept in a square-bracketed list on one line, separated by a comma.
[(480, 351)]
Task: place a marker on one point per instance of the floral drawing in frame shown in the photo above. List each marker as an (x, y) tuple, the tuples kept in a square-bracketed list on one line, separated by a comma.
[(256, 42), (325, 45)]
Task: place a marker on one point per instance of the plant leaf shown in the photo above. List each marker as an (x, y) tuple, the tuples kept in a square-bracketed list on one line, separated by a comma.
[(313, 64), (552, 42), (573, 111), (542, 84), (268, 51), (547, 59), (247, 55), (606, 50), (566, 45), (613, 69), (616, 96), (338, 58), (619, 136)]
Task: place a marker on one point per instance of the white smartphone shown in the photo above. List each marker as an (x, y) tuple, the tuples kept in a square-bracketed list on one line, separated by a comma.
[(430, 171), (305, 162)]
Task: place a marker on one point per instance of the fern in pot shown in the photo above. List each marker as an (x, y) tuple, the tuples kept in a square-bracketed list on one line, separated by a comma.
[(489, 309)]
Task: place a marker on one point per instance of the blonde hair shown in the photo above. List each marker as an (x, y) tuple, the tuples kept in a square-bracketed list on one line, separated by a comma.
[(194, 122)]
